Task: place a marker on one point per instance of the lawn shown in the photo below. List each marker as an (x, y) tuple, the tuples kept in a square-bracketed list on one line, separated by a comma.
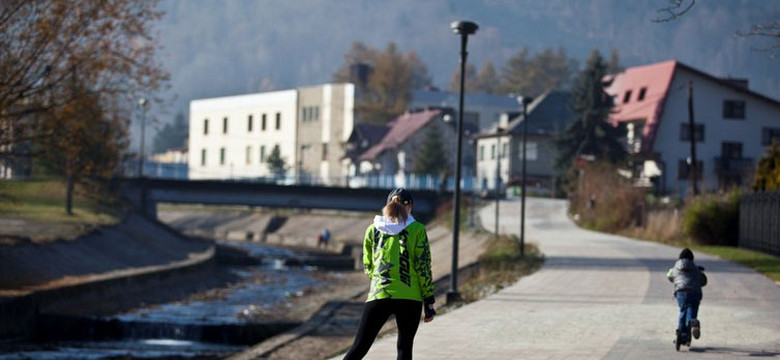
[(763, 263)]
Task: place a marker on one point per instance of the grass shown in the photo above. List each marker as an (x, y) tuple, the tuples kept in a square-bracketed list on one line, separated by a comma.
[(499, 266), (763, 263), (42, 201)]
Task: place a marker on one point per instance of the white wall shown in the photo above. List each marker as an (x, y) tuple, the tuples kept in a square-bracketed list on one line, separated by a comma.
[(708, 110), (238, 138)]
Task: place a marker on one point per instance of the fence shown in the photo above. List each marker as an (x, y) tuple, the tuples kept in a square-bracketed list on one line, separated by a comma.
[(759, 222)]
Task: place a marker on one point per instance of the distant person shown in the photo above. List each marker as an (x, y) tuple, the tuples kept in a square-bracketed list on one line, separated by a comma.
[(688, 280), (397, 260), (325, 237)]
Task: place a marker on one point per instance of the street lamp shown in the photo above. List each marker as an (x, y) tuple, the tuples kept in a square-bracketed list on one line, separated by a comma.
[(464, 29), (499, 131), (142, 105), (524, 101)]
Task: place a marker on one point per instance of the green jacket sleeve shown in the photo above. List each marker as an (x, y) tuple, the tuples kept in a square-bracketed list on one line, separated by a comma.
[(422, 260), (368, 251)]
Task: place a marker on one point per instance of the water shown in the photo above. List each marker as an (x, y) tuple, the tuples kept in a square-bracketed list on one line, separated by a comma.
[(176, 330)]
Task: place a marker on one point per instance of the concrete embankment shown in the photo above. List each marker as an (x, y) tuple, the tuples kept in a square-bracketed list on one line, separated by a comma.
[(102, 268)]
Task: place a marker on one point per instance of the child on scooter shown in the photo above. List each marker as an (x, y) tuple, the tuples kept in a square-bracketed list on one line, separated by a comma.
[(688, 280)]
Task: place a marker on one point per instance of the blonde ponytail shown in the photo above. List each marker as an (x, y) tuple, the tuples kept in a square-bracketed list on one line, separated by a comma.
[(395, 211)]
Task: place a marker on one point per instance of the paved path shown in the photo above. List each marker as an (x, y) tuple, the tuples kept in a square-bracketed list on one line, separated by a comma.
[(600, 296)]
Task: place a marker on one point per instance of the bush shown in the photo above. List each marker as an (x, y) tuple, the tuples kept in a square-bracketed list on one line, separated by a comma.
[(713, 219), (604, 200)]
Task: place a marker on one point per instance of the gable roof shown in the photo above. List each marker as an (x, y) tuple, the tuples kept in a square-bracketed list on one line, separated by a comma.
[(656, 79), (401, 129), (547, 114), (370, 132)]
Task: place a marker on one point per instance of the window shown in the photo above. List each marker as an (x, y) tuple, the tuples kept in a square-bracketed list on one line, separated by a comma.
[(248, 155), (733, 109), (504, 149), (532, 151), (203, 157), (324, 151), (224, 125), (482, 152), (249, 123), (492, 151), (262, 125), (627, 97), (278, 121), (642, 93), (316, 111), (731, 150), (685, 134), (768, 134), (206, 127), (222, 156), (262, 154), (684, 169)]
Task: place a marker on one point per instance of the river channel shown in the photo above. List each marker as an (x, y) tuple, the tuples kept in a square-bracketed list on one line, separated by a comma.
[(208, 325)]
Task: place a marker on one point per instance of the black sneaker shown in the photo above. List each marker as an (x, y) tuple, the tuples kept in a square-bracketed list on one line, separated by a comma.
[(695, 328)]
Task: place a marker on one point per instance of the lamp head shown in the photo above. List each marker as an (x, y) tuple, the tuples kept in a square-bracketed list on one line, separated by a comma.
[(464, 27)]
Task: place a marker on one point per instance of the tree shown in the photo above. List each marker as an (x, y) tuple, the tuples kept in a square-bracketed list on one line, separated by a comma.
[(277, 165), (431, 158), (487, 80), (393, 77), (109, 42), (84, 141), (768, 170), (172, 135), (469, 80), (590, 134), (532, 76)]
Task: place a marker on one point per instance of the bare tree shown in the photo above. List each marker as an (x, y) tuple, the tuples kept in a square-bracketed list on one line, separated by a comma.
[(675, 9)]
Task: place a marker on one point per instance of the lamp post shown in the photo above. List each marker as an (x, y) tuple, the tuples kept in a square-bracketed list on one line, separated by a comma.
[(524, 101), (464, 29), (499, 130), (142, 105)]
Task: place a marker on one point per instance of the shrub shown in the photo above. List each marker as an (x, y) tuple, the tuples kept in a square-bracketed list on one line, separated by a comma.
[(713, 219), (605, 200)]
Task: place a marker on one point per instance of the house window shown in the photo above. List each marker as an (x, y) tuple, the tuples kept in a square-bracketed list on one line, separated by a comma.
[(324, 151), (733, 109), (731, 150), (684, 169), (262, 125), (203, 157), (685, 133), (278, 121), (249, 123), (248, 155), (224, 125), (305, 114), (492, 151), (316, 110), (482, 152), (532, 151), (206, 127), (262, 154), (768, 134), (504, 149), (627, 97), (642, 93), (222, 156)]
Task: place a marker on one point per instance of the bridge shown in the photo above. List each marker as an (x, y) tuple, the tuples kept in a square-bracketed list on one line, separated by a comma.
[(148, 193)]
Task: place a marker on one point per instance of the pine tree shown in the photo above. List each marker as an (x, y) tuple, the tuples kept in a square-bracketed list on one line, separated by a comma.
[(172, 135), (591, 133), (277, 165), (431, 158)]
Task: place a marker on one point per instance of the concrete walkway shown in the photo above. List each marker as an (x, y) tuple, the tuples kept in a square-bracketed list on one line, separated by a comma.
[(600, 296)]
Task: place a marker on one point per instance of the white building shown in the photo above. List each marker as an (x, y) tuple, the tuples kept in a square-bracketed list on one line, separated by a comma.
[(732, 125), (231, 137)]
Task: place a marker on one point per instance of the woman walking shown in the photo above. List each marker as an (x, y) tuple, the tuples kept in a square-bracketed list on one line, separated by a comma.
[(397, 260)]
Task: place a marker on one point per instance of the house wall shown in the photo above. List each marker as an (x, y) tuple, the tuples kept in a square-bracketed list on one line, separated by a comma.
[(238, 137), (539, 161), (708, 101)]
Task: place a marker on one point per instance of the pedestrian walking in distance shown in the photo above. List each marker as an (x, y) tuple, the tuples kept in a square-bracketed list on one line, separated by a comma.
[(397, 260)]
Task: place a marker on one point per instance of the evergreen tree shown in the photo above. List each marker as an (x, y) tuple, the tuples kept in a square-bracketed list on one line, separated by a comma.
[(172, 135), (431, 158), (591, 133), (768, 170), (277, 165)]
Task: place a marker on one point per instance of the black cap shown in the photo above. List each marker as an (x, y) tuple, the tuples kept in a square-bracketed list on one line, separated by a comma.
[(404, 195)]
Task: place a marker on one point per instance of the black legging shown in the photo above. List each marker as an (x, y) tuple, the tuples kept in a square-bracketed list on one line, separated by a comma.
[(375, 314)]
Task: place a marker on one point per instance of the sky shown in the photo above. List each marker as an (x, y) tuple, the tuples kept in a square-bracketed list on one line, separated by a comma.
[(219, 48)]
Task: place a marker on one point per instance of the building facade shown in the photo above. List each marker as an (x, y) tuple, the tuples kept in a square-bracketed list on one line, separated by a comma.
[(732, 125), (232, 137)]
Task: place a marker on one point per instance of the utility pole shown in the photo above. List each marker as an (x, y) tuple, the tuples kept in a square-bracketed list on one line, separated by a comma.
[(692, 134)]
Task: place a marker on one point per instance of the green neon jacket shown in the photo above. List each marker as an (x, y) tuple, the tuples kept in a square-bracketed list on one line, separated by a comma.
[(397, 260)]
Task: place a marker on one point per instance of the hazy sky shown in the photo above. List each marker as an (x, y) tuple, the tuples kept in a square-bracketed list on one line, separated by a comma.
[(218, 48)]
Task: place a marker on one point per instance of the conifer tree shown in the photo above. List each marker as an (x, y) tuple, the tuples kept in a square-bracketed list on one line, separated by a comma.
[(431, 158), (277, 165)]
